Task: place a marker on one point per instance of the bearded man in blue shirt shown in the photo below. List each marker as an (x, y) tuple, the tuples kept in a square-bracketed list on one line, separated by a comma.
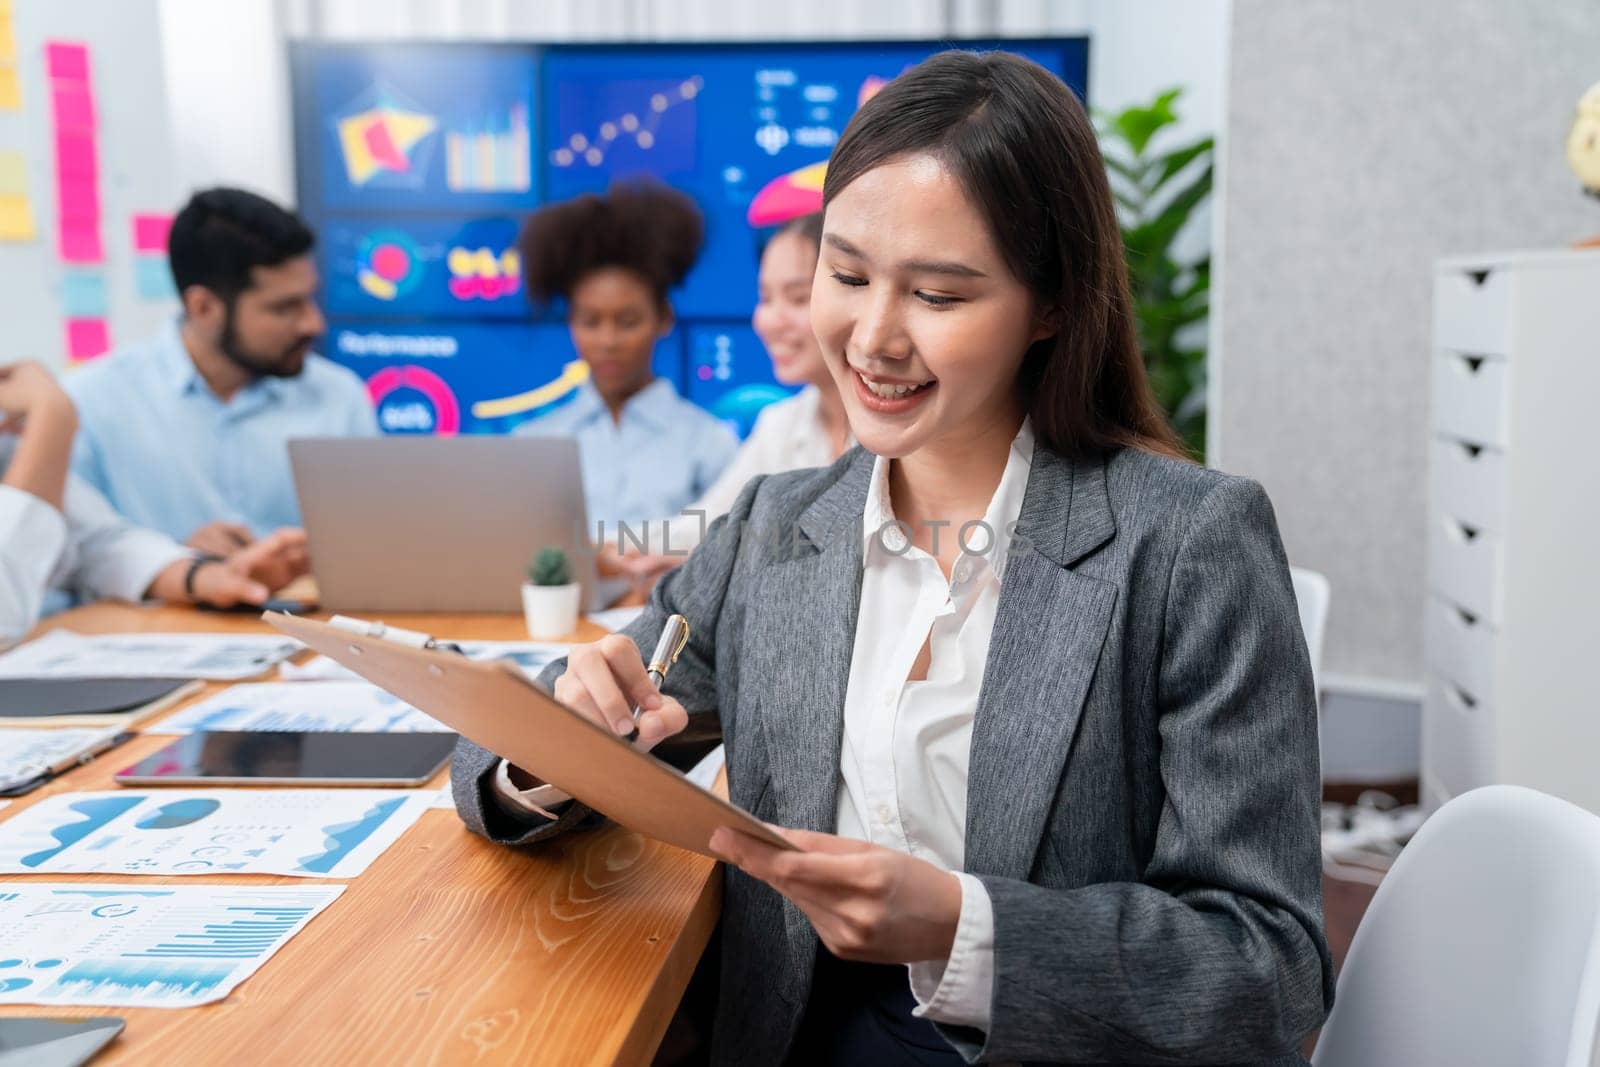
[(188, 433)]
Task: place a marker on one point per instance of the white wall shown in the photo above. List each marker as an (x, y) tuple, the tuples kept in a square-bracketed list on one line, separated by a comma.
[(228, 95), (1363, 143)]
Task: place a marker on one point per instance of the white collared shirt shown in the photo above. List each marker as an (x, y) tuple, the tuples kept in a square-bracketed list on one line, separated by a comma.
[(789, 435), (86, 547), (903, 760), (905, 751)]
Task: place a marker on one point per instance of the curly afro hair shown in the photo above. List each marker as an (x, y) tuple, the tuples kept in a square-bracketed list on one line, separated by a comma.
[(642, 226)]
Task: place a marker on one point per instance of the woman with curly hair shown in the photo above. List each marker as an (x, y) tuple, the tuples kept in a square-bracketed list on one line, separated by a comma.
[(613, 258)]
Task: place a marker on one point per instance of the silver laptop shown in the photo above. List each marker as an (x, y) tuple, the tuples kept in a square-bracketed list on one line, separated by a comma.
[(437, 523)]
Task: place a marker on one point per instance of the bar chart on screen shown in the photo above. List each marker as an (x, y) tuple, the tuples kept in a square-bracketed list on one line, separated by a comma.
[(492, 159)]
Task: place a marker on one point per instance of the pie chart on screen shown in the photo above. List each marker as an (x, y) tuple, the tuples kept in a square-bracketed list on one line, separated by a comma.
[(788, 196)]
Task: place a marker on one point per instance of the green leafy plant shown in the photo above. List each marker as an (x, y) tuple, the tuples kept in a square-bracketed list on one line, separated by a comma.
[(550, 567), (1158, 190)]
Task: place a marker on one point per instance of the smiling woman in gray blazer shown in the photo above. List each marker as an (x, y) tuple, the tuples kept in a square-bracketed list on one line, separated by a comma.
[(1026, 688)]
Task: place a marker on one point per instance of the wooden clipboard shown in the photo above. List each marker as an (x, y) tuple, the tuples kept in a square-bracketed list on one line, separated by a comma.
[(497, 706)]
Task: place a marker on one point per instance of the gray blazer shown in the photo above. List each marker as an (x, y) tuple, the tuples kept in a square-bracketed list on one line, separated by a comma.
[(1142, 796)]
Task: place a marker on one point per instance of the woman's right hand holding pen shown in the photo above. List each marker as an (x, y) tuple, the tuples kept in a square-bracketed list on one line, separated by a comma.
[(606, 679)]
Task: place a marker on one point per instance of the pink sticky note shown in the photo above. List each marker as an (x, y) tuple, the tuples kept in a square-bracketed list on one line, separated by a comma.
[(67, 61), (150, 233), (79, 199), (87, 338), (80, 241), (75, 155), (72, 107)]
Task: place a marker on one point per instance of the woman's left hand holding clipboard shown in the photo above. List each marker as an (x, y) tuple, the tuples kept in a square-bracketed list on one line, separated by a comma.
[(867, 902)]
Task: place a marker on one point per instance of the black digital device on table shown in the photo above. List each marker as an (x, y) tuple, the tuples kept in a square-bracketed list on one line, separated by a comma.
[(268, 757), (47, 701), (288, 607)]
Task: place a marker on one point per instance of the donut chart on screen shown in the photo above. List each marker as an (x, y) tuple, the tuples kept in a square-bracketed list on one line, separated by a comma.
[(446, 412)]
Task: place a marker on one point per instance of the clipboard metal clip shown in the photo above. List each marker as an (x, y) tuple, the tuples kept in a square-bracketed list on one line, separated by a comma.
[(383, 631)]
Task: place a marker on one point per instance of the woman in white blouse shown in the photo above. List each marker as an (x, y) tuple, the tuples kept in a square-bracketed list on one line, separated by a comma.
[(809, 429), (1024, 687)]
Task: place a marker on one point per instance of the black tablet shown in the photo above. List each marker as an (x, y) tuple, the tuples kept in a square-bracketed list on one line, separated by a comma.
[(265, 757), (44, 698)]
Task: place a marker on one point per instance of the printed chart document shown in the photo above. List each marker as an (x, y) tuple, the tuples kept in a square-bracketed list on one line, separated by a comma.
[(220, 657), (309, 833), (312, 707), (133, 946), (531, 656)]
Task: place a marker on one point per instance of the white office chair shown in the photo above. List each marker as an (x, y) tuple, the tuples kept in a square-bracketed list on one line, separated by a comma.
[(1482, 946), (1311, 594)]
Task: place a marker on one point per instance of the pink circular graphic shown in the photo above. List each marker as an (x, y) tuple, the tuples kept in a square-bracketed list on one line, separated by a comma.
[(390, 262), (463, 288), (446, 411)]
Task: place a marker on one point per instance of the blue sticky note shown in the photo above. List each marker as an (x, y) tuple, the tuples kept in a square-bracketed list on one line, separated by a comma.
[(83, 294), (152, 278)]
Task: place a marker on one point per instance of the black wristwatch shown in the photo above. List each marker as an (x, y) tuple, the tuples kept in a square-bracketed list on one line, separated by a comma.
[(195, 564)]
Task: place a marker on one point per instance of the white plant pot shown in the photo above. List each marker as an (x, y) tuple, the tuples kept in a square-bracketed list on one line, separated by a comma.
[(551, 610)]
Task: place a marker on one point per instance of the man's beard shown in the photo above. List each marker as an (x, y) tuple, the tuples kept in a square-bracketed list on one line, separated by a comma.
[(287, 363)]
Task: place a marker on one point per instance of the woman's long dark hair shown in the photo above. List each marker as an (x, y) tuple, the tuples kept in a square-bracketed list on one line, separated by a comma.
[(1022, 147)]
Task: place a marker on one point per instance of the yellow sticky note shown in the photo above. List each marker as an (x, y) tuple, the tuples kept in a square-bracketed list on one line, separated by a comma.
[(16, 218), (13, 173), (10, 88), (8, 38)]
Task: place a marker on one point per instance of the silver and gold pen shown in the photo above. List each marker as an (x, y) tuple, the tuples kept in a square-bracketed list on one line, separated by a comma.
[(674, 637)]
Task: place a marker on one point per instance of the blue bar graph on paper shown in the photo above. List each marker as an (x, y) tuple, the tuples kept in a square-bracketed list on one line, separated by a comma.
[(138, 947), (101, 978), (241, 938)]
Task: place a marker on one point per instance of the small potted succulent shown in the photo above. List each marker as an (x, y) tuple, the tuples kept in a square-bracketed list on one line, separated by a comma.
[(550, 596)]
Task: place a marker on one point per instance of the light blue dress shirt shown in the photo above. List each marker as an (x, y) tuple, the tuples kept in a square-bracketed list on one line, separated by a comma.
[(170, 456), (662, 455)]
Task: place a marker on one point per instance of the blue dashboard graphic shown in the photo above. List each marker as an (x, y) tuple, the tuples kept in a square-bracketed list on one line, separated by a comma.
[(452, 376), (251, 934), (344, 837), (416, 164), (449, 269), (96, 812), (108, 977)]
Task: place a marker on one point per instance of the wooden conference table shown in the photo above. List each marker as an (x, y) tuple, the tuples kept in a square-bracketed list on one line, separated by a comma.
[(449, 949)]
